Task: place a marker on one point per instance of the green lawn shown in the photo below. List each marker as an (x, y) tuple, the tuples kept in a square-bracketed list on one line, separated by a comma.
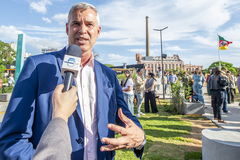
[(164, 133)]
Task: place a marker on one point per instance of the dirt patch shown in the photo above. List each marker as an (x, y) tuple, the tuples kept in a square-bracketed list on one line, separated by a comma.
[(195, 136)]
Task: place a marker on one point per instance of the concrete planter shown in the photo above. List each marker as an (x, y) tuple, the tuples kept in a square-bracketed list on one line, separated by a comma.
[(220, 144), (5, 97), (193, 108)]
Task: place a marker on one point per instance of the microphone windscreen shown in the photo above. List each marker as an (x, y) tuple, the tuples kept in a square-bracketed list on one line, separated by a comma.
[(72, 60), (74, 50)]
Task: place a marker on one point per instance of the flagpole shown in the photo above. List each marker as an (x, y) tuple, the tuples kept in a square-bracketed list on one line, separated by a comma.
[(219, 54)]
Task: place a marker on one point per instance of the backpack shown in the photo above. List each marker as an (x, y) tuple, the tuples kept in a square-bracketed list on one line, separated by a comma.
[(222, 81)]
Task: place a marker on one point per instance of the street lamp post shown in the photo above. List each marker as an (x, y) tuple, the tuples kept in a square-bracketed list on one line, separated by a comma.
[(160, 30)]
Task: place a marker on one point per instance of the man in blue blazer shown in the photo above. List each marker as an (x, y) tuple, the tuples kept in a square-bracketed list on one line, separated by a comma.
[(30, 107)]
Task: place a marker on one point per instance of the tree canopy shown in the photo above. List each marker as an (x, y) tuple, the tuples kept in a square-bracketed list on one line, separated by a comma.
[(109, 65), (7, 56), (227, 65)]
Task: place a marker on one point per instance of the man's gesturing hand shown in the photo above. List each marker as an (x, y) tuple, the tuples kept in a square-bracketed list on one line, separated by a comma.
[(132, 135)]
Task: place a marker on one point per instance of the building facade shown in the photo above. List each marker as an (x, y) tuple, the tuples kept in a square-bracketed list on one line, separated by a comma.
[(47, 50), (192, 68), (153, 64)]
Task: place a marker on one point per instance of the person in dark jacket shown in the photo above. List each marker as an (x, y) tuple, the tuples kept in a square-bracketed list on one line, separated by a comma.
[(218, 94)]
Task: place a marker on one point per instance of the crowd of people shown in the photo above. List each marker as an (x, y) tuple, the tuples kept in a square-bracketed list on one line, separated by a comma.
[(222, 87), (145, 88), (192, 84)]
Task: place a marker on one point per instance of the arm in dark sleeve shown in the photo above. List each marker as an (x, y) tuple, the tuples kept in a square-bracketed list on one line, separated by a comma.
[(55, 143), (16, 129)]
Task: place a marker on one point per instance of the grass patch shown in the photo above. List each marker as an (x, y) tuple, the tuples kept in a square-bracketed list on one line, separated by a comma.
[(193, 156), (165, 136), (237, 97)]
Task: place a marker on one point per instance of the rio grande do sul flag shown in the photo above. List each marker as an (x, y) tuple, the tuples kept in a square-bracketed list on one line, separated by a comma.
[(223, 43)]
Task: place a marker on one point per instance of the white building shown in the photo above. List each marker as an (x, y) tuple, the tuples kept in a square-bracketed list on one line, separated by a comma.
[(47, 50)]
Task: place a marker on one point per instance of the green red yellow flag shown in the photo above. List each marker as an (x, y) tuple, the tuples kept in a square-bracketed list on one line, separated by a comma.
[(223, 43)]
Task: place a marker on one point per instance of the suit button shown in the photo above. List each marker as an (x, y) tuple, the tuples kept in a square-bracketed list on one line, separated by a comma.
[(79, 140)]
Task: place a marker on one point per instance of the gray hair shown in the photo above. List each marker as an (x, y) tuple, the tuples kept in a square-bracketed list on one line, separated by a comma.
[(82, 6)]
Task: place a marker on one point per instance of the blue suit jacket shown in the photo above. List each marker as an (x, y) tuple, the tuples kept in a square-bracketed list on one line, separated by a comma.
[(30, 108)]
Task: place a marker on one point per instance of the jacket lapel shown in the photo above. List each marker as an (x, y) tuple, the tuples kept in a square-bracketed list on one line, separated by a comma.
[(59, 57), (99, 85)]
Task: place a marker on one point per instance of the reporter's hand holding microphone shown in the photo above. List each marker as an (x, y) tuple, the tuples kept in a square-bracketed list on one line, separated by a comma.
[(64, 103)]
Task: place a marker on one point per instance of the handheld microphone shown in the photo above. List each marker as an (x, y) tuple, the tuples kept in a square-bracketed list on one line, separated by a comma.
[(71, 65)]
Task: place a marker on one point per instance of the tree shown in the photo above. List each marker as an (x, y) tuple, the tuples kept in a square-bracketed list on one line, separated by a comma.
[(109, 65), (95, 54), (228, 66), (7, 55)]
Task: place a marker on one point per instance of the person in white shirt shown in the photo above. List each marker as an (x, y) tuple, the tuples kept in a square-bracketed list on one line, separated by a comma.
[(128, 91), (10, 80)]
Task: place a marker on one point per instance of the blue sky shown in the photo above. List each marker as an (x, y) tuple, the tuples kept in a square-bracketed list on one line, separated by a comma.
[(192, 34)]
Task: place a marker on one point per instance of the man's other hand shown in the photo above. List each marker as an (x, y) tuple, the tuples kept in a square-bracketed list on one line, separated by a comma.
[(132, 135), (64, 104)]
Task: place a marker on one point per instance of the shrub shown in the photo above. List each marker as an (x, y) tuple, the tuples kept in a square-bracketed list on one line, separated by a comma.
[(5, 80), (177, 94), (7, 89)]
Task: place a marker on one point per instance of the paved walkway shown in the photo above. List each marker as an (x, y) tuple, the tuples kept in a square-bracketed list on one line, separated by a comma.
[(233, 118), (2, 110)]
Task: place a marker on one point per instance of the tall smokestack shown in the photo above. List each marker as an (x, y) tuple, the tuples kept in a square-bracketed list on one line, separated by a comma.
[(147, 39)]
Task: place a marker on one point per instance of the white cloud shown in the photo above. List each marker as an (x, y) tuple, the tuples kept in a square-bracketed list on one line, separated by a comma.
[(10, 34), (175, 48), (116, 58), (47, 20), (138, 50), (194, 27), (232, 34), (40, 43), (60, 18), (45, 29), (153, 52), (126, 19), (120, 42), (40, 6)]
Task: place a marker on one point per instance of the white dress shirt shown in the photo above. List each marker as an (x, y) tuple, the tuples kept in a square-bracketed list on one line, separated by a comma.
[(87, 93)]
